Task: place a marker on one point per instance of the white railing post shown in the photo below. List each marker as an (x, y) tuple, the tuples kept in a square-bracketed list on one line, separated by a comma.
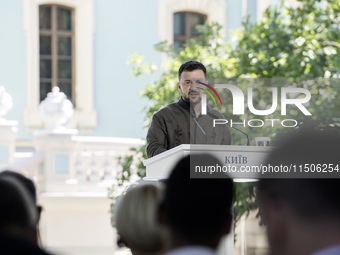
[(56, 142), (8, 135), (8, 130), (59, 161)]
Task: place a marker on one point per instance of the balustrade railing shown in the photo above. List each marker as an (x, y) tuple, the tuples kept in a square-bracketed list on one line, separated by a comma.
[(66, 159), (97, 157)]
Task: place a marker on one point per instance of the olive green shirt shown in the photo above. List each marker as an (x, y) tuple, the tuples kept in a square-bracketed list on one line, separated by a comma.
[(174, 125)]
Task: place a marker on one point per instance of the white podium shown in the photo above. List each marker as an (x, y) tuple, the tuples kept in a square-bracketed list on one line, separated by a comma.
[(234, 156), (160, 166)]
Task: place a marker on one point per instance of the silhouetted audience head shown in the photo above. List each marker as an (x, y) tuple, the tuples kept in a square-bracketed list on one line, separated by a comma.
[(24, 180), (18, 215), (135, 219), (196, 211), (302, 215), (18, 219), (18, 211), (27, 183)]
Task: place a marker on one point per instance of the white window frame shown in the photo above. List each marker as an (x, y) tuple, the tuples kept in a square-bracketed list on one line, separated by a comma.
[(84, 116), (215, 10), (262, 5)]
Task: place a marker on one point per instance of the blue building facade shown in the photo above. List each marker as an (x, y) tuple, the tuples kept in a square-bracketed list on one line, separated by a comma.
[(106, 33)]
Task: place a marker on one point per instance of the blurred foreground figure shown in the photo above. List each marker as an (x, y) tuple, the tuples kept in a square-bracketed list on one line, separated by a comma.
[(28, 184), (135, 220), (18, 218), (302, 216), (196, 213)]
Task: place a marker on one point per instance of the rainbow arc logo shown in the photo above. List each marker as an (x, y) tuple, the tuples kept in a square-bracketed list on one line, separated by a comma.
[(204, 97), (209, 93)]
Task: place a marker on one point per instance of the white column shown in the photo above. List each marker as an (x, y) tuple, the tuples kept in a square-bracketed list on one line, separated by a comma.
[(244, 8), (262, 5), (226, 245)]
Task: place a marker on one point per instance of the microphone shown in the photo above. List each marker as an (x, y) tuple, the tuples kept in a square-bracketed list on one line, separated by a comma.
[(194, 118), (233, 128), (241, 132)]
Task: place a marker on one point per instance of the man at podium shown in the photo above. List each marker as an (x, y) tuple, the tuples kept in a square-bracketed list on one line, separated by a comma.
[(182, 122)]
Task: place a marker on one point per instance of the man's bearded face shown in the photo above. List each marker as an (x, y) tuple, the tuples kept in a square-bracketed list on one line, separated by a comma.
[(189, 86)]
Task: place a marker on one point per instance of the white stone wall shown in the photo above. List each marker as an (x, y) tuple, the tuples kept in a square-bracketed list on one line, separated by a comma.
[(77, 224)]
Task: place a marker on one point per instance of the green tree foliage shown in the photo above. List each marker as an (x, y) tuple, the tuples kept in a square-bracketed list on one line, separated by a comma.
[(300, 42), (298, 47), (301, 45)]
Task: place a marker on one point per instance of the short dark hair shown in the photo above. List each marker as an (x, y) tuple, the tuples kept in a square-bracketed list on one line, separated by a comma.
[(310, 198), (14, 209), (197, 209), (191, 66)]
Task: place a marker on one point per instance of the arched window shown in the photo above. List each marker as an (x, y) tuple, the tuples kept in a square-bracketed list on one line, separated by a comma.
[(56, 50), (185, 26)]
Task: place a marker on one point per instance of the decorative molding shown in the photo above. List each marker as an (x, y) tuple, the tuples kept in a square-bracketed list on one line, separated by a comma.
[(214, 9), (56, 109)]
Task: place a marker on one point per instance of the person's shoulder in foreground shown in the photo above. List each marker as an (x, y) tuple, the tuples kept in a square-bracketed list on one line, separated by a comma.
[(16, 245), (302, 215), (196, 213), (18, 218), (192, 250)]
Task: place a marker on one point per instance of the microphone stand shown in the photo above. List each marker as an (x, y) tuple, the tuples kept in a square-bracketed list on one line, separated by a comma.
[(248, 143), (194, 118)]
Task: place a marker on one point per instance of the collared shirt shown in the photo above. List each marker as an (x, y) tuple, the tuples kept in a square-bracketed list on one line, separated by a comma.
[(192, 250)]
